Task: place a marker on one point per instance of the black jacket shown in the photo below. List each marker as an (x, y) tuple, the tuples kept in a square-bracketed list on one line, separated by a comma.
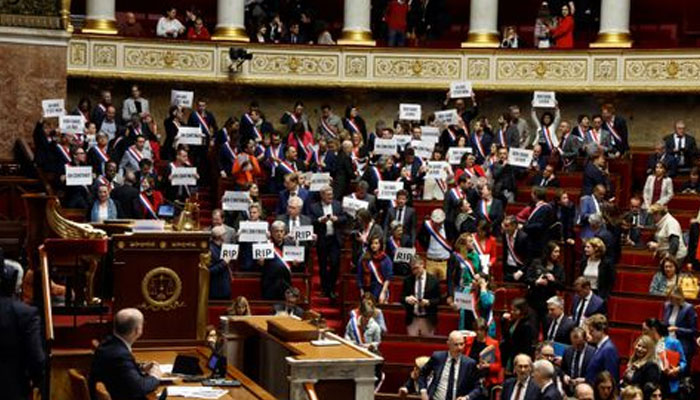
[(316, 211), (649, 372), (606, 276), (430, 293), (562, 335), (532, 392)]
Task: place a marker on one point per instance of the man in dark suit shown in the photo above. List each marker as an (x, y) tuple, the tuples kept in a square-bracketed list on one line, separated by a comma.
[(289, 307), (362, 193), (292, 188), (503, 177), (294, 219), (606, 357), (662, 155), (114, 364), (521, 386), (420, 298), (276, 275), (490, 209), (543, 374), (595, 173), (515, 257), (576, 359), (617, 126), (546, 178), (219, 271), (22, 360), (558, 326), (453, 203), (344, 171), (454, 374), (585, 303), (682, 146), (404, 214), (328, 219), (540, 220)]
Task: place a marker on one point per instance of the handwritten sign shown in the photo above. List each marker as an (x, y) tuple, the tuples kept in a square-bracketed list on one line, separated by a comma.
[(252, 231), (229, 251), (436, 170), (71, 123), (293, 253), (447, 117), (544, 100), (455, 154), (424, 149), (263, 251), (352, 206), (53, 108), (319, 180), (519, 157), (385, 146), (303, 233), (463, 300), (484, 263), (460, 89), (409, 112), (181, 98), (388, 190), (183, 176), (191, 135), (78, 176), (402, 140), (404, 254), (430, 133), (235, 201)]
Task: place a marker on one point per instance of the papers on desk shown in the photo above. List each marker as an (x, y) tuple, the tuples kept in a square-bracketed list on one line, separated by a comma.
[(196, 392), (166, 368)]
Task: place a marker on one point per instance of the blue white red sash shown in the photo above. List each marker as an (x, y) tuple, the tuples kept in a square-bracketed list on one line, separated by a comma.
[(137, 131), (475, 308), (327, 128), (354, 126), (203, 123), (376, 272), (102, 154), (479, 146), (477, 246), (453, 136), (391, 244), (511, 247), (287, 167), (148, 206), (470, 173), (547, 138), (311, 153), (258, 135), (259, 149), (457, 194), (102, 181), (293, 117), (582, 132), (485, 209), (377, 174), (102, 107), (134, 154), (355, 325), (594, 136), (442, 185), (85, 117), (280, 258), (613, 131), (537, 208), (64, 153), (229, 150), (466, 263), (502, 138), (437, 236)]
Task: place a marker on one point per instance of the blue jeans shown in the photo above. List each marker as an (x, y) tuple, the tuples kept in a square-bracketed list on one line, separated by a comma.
[(396, 38)]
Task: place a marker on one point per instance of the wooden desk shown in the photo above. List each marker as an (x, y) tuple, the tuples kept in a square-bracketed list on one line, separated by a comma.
[(248, 390), (342, 372)]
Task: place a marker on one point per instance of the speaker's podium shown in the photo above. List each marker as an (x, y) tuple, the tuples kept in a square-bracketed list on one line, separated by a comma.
[(166, 276)]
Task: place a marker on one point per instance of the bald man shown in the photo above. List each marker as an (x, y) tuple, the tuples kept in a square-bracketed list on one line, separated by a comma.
[(454, 374), (584, 391), (521, 386), (114, 364)]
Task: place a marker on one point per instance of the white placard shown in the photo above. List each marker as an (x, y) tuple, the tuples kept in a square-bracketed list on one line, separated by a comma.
[(53, 108), (430, 133), (181, 98), (388, 189), (229, 251), (183, 176), (404, 254), (463, 300), (436, 170), (293, 253), (263, 250), (409, 112), (484, 263), (460, 89), (447, 117), (385, 146), (519, 157), (78, 176), (252, 231), (235, 201), (424, 149), (303, 233), (351, 206), (544, 100), (71, 123), (148, 225), (455, 154), (191, 135), (319, 180), (402, 140)]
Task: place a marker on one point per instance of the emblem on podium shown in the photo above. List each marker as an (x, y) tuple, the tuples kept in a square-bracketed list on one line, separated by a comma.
[(161, 288)]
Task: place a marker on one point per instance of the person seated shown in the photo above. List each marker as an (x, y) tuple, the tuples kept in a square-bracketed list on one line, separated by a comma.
[(661, 155), (149, 200), (104, 207), (631, 393), (692, 186), (198, 31), (642, 366), (114, 365), (290, 306), (667, 276), (239, 307), (219, 270), (412, 385), (420, 298), (362, 329), (169, 26), (546, 178), (658, 187), (131, 27), (682, 146)]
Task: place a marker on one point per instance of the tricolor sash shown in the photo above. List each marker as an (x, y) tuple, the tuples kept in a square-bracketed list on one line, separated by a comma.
[(327, 128), (229, 151), (537, 208), (510, 241), (477, 246), (102, 181), (485, 210), (547, 138), (582, 132), (203, 123), (355, 325), (502, 137), (377, 174), (453, 136), (376, 272), (134, 154), (442, 185), (65, 153), (86, 118), (287, 167), (391, 243), (479, 146), (594, 136), (470, 173), (613, 131), (278, 256), (148, 206), (354, 126), (437, 236), (466, 263), (456, 193), (293, 117), (102, 154), (475, 308), (102, 107)]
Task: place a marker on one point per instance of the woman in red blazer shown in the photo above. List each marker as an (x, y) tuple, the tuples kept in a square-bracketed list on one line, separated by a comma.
[(485, 351), (563, 33)]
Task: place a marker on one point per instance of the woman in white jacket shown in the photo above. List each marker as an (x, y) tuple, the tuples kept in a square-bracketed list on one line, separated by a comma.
[(658, 187)]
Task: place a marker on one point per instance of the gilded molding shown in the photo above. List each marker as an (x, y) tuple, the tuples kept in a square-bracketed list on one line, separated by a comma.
[(605, 69), (78, 54), (543, 69), (655, 69), (294, 63), (154, 58), (356, 66), (390, 67), (478, 68), (104, 55)]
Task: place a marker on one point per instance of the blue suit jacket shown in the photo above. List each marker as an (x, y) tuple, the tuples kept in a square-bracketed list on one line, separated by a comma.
[(686, 323), (605, 358), (466, 381), (595, 306), (586, 209), (593, 176), (532, 392), (284, 198)]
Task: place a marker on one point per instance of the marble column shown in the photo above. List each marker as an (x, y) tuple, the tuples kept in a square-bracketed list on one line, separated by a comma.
[(483, 25), (230, 25), (99, 18), (356, 24), (614, 25)]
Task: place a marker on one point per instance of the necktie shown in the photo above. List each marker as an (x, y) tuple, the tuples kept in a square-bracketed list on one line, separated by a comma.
[(449, 395), (399, 215), (579, 313), (419, 294), (574, 367), (518, 391), (552, 330)]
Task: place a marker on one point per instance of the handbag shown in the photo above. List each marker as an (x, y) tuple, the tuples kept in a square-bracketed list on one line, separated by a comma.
[(689, 286)]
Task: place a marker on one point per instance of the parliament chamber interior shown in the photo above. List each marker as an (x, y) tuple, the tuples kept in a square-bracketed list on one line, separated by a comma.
[(350, 199)]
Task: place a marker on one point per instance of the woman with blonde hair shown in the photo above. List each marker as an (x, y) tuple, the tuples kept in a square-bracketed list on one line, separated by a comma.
[(642, 366), (596, 268), (631, 393), (239, 307)]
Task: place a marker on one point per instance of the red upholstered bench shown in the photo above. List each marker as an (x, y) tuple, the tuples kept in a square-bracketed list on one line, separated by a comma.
[(406, 352), (249, 286), (506, 294), (688, 202), (633, 310), (624, 338), (637, 257), (633, 281)]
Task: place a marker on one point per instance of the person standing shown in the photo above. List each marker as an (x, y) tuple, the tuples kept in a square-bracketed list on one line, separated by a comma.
[(420, 299), (328, 219), (454, 374)]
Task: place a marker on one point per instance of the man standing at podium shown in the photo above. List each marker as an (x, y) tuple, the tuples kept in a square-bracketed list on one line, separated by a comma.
[(114, 364)]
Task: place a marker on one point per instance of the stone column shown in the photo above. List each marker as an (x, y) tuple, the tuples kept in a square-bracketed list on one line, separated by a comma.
[(99, 18), (483, 25), (230, 24), (356, 24), (614, 25)]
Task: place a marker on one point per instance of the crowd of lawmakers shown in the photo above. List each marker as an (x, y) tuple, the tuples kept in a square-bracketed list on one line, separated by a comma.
[(133, 159)]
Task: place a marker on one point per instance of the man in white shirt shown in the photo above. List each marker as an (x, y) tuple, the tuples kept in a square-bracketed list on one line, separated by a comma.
[(681, 145), (134, 104), (454, 374), (521, 386), (169, 26), (432, 237)]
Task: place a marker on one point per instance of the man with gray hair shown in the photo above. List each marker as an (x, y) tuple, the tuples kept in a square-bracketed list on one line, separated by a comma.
[(558, 326), (114, 364), (543, 375), (584, 391), (219, 271), (344, 171), (520, 387), (328, 219), (276, 275), (295, 221)]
